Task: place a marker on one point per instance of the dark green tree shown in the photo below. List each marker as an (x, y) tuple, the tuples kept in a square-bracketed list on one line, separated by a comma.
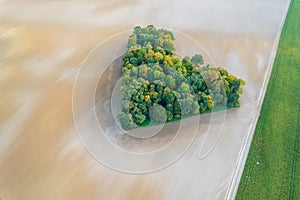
[(197, 59)]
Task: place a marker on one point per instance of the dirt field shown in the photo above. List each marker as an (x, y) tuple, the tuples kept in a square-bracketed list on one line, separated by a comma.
[(43, 43)]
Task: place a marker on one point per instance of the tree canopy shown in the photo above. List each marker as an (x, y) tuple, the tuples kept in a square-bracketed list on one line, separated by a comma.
[(157, 85)]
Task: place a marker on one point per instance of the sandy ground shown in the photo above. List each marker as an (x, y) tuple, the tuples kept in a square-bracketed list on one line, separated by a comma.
[(43, 43)]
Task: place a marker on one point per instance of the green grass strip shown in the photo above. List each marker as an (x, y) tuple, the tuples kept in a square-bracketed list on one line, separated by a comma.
[(272, 169)]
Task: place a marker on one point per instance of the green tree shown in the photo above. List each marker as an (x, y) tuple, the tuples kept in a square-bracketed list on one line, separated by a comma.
[(134, 61), (169, 115), (126, 121), (139, 118), (187, 64), (170, 82), (183, 89), (188, 106), (158, 113), (176, 109), (132, 40), (197, 59)]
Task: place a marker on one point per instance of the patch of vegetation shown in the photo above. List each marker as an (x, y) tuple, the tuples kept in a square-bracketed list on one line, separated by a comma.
[(272, 169), (159, 86)]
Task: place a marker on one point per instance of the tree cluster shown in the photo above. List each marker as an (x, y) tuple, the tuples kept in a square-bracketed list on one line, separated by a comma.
[(158, 86)]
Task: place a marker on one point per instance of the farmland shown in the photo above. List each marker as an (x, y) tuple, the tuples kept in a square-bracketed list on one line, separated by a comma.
[(273, 166), (48, 150)]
